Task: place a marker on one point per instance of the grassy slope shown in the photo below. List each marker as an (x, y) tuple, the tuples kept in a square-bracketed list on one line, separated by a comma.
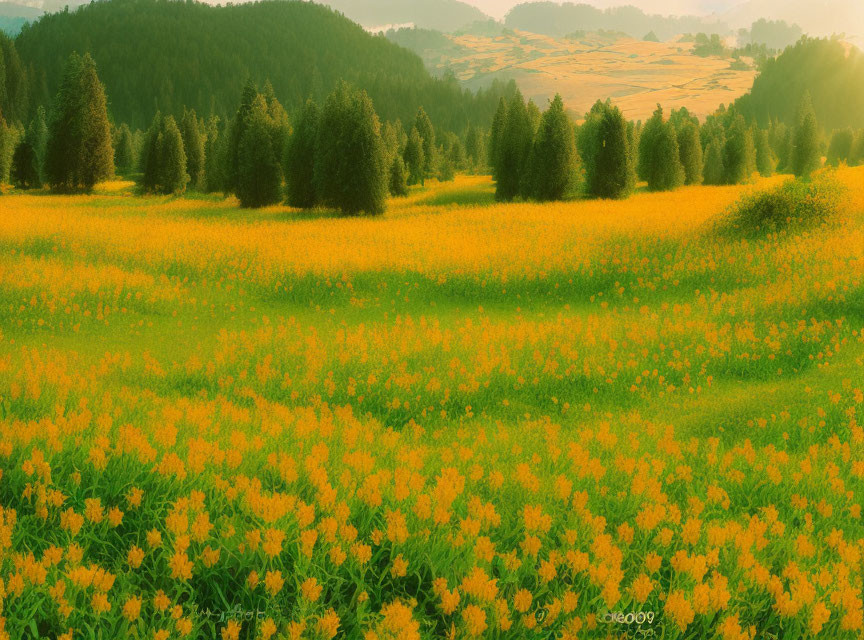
[(621, 347)]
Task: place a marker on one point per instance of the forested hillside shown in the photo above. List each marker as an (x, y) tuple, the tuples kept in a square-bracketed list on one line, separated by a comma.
[(830, 70), (13, 82), (154, 55)]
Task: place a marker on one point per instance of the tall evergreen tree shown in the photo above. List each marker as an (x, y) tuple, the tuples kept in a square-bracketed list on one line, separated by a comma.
[(38, 134), (648, 143), (280, 124), (496, 135), (612, 171), (398, 177), (414, 160), (300, 159), (215, 156), (840, 149), (766, 161), (151, 156), (351, 169), (427, 133), (8, 143), (553, 158), (238, 128), (124, 151), (659, 154), (739, 153), (690, 151), (714, 172), (515, 150), (259, 175), (79, 152), (25, 168), (805, 141), (193, 145), (172, 161), (474, 148)]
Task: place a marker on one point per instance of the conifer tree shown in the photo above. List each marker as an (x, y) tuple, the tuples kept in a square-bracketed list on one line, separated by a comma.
[(840, 149), (238, 127), (330, 162), (25, 169), (856, 156), (79, 152), (38, 134), (215, 156), (427, 133), (172, 161), (415, 162), (739, 153), (714, 172), (690, 150), (300, 159), (151, 156), (659, 154), (612, 172), (515, 149), (124, 152), (259, 175), (805, 140), (193, 145), (8, 143), (553, 158), (474, 148), (648, 141), (280, 124), (398, 177), (496, 136), (766, 161)]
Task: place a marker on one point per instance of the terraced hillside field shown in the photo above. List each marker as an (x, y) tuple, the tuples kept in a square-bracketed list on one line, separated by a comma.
[(637, 75), (458, 420)]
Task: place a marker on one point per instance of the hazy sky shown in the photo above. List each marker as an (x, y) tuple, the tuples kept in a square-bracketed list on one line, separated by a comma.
[(498, 8)]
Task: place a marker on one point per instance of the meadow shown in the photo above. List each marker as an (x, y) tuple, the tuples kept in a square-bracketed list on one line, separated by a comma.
[(460, 419)]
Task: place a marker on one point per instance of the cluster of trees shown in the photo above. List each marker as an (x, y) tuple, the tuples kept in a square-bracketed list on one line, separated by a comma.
[(541, 157)]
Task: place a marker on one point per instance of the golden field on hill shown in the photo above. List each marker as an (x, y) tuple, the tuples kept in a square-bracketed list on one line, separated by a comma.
[(637, 75), (458, 420)]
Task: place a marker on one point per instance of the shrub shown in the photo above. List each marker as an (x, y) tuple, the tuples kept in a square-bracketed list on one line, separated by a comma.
[(795, 204)]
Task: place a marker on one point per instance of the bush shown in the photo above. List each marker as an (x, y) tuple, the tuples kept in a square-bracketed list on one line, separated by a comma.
[(795, 204)]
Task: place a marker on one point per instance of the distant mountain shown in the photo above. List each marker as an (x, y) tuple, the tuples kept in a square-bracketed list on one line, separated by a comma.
[(14, 16), (823, 18), (441, 15), (555, 19), (152, 55)]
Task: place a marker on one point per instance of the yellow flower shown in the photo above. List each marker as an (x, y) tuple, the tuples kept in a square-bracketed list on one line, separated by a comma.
[(231, 631), (267, 629), (93, 510), (100, 603), (400, 567), (475, 620), (154, 538), (132, 609), (310, 589), (328, 625), (135, 556), (641, 588), (522, 600), (273, 582)]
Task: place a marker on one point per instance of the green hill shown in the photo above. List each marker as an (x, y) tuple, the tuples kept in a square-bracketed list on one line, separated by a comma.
[(833, 73), (153, 54)]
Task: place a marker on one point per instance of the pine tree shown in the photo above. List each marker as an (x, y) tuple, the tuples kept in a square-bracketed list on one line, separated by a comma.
[(300, 159), (280, 123), (515, 150), (124, 152), (151, 156), (215, 156), (739, 153), (856, 156), (659, 154), (648, 143), (766, 161), (690, 151), (496, 135), (351, 168), (612, 174), (8, 143), (367, 183), (172, 160), (79, 151), (714, 172), (193, 145), (238, 127), (398, 177), (474, 148), (427, 133), (330, 161), (25, 169), (414, 160), (780, 143), (553, 158), (840, 149), (259, 175), (38, 134), (805, 140)]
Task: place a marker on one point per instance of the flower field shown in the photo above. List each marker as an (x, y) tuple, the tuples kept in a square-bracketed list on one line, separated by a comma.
[(458, 420)]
